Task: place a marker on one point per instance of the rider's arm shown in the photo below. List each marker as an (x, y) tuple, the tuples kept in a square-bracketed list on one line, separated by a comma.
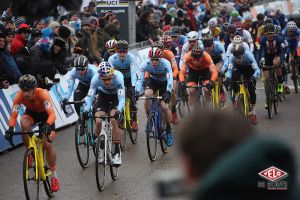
[(71, 83), (48, 107), (133, 71), (121, 92), (253, 64), (141, 76), (230, 66), (261, 51), (174, 65), (212, 68), (15, 109), (184, 51), (249, 40), (91, 93), (183, 68), (169, 76)]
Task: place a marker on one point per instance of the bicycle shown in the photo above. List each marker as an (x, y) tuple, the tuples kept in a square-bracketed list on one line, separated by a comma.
[(104, 143), (295, 73), (155, 128), (182, 103), (127, 127), (215, 93), (84, 136), (34, 167), (271, 91)]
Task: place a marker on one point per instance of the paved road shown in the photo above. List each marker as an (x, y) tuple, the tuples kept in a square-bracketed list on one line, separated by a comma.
[(137, 173)]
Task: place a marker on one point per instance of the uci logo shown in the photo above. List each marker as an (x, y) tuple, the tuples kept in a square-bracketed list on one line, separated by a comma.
[(109, 2)]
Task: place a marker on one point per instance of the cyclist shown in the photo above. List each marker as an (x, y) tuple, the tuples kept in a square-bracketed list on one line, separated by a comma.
[(217, 52), (242, 62), (271, 53), (167, 54), (83, 72), (213, 27), (126, 63), (200, 63), (111, 48), (193, 40), (160, 79), (109, 85), (237, 40), (39, 109), (179, 40)]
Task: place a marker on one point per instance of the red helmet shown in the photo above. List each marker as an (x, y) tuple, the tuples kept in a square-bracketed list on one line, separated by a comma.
[(155, 53), (167, 29)]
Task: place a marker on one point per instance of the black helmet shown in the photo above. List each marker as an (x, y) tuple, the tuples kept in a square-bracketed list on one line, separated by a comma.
[(197, 52), (238, 50), (122, 44), (269, 28), (269, 20), (81, 62), (208, 40), (27, 82)]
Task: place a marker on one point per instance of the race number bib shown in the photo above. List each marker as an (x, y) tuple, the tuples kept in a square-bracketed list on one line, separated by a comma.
[(120, 92), (16, 108), (47, 105)]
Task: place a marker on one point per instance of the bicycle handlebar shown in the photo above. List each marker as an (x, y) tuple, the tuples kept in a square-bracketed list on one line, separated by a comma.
[(159, 97), (73, 102), (30, 133)]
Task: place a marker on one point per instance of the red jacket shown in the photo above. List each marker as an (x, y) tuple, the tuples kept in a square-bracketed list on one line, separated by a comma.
[(17, 44)]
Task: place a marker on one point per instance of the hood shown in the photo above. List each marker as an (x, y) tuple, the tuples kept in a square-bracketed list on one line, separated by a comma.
[(235, 175), (111, 29)]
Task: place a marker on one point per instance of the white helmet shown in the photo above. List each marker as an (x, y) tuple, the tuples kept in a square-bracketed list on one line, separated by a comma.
[(205, 31), (291, 26), (247, 15), (193, 35), (111, 44), (212, 22), (237, 40)]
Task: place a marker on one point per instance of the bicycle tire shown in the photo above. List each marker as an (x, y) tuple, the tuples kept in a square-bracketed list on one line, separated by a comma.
[(294, 78), (92, 137), (151, 134), (47, 186), (27, 177), (275, 100), (100, 168), (114, 169), (270, 99), (133, 136), (183, 107), (82, 141), (163, 137), (123, 139)]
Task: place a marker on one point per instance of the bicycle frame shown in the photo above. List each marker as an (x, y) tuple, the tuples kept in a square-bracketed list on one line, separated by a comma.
[(215, 95), (157, 112)]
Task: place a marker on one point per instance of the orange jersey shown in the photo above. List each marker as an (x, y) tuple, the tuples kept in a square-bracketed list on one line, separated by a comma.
[(40, 103), (169, 55), (205, 63)]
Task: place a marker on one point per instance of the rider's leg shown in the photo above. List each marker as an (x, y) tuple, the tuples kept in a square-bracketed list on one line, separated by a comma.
[(173, 103), (147, 104), (26, 123), (79, 94)]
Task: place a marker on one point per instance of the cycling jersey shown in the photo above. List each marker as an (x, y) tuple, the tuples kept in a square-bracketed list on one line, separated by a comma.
[(40, 103), (85, 79), (162, 72), (116, 87), (167, 54), (216, 32), (247, 38), (248, 60), (218, 53), (182, 40), (186, 48), (292, 39), (205, 63), (128, 66), (275, 47)]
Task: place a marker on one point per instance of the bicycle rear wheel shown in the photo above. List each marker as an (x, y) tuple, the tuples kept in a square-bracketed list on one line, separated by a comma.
[(114, 169), (270, 90), (82, 146), (163, 137), (100, 166), (47, 184), (123, 138), (294, 77), (31, 175), (151, 137), (275, 101)]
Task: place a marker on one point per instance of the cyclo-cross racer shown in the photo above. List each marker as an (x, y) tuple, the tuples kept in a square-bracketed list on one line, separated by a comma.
[(126, 63), (39, 109), (198, 63), (242, 62), (109, 84), (84, 72), (161, 79)]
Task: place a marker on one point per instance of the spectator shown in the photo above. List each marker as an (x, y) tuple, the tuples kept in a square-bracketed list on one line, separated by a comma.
[(54, 26), (95, 48), (85, 39), (10, 34), (40, 25), (143, 27), (20, 39), (35, 37), (63, 20)]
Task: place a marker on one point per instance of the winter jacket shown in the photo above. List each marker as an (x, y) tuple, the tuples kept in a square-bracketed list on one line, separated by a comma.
[(17, 44)]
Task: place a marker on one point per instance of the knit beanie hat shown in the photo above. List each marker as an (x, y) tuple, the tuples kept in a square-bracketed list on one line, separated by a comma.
[(53, 24)]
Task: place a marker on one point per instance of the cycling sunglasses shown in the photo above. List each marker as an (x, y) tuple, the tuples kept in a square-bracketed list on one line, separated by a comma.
[(155, 59), (122, 51)]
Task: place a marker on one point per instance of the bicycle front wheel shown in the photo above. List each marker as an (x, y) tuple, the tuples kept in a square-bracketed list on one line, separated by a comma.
[(100, 163), (183, 107), (269, 93), (31, 176), (163, 137), (294, 77), (82, 146), (123, 138), (151, 137), (47, 184), (114, 169)]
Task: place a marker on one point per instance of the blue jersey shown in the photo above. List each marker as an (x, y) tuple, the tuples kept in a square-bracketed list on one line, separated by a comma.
[(275, 47), (128, 67), (218, 52), (292, 39), (163, 72), (116, 87), (248, 60), (85, 79)]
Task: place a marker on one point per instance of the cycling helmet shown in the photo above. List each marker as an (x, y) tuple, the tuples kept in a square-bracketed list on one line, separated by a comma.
[(231, 28), (155, 53), (269, 21), (208, 40), (193, 35), (234, 13), (81, 62), (167, 29), (225, 26), (247, 16), (269, 28), (237, 40), (176, 30), (205, 31), (277, 29), (197, 52), (167, 41), (159, 44), (122, 45), (27, 82), (212, 22), (105, 70), (238, 50), (291, 26), (111, 44)]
